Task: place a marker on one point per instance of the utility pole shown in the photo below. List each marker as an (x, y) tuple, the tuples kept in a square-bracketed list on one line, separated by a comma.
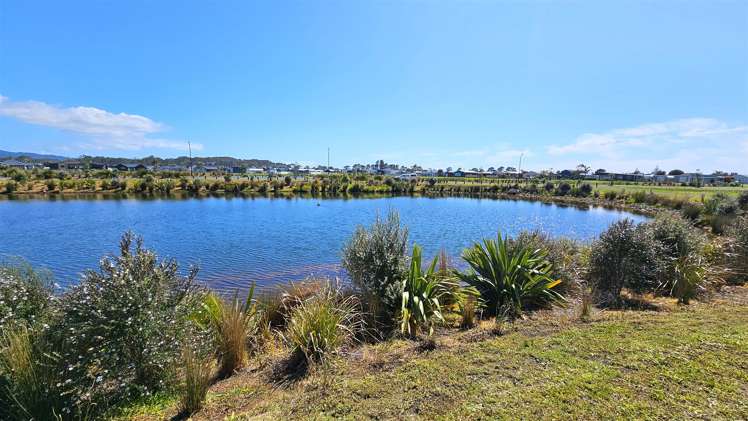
[(328, 159), (519, 169), (189, 146)]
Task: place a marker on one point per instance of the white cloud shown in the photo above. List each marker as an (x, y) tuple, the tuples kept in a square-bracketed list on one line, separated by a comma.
[(104, 130), (704, 143), (499, 154)]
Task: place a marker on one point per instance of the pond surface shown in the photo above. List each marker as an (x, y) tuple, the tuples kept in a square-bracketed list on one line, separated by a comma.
[(239, 240)]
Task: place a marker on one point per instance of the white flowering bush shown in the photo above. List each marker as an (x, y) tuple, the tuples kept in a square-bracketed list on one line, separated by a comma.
[(25, 294), (121, 331)]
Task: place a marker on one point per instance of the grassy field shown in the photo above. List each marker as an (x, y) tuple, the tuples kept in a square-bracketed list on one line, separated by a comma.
[(679, 362), (676, 192)]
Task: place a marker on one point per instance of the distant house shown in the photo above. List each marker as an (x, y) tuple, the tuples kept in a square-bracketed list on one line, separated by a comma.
[(408, 176), (12, 163), (173, 168), (255, 170), (52, 165), (743, 179), (75, 165), (129, 167), (238, 170), (98, 166), (626, 177)]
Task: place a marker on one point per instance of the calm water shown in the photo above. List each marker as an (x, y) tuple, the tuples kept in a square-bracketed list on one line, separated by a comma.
[(239, 240)]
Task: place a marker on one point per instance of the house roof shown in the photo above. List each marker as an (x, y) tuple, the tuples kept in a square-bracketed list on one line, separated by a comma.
[(13, 162)]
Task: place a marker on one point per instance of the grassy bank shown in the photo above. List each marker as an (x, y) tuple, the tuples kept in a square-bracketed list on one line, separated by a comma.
[(533, 325), (679, 362)]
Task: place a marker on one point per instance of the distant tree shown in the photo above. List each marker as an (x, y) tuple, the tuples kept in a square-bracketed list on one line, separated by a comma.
[(660, 172), (600, 171), (675, 172), (583, 169)]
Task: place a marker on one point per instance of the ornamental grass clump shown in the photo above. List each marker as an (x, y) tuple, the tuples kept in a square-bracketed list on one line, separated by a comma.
[(323, 323), (684, 266), (232, 323), (738, 257), (121, 330), (468, 309), (196, 371), (28, 379), (510, 278)]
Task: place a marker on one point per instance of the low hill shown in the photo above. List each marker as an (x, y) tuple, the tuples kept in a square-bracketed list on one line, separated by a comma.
[(31, 156)]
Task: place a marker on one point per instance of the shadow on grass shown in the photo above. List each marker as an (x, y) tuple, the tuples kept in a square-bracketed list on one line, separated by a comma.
[(290, 370), (631, 303)]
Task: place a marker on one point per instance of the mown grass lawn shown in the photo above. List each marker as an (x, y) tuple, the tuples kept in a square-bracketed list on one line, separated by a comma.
[(693, 194), (689, 362)]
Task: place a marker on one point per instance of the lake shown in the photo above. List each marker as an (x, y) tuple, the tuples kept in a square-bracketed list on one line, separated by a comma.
[(268, 240)]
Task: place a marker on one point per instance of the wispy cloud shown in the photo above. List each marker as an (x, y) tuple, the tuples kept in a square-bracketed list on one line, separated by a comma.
[(691, 143), (683, 131), (496, 155), (103, 130)]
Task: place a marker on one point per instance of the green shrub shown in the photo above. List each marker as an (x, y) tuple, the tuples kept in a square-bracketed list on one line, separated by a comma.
[(51, 185), (639, 196), (421, 295), (232, 324), (11, 186), (320, 325), (121, 329), (624, 256), (585, 189), (691, 211), (563, 189), (721, 204), (375, 259), (610, 195), (743, 199), (25, 294), (681, 248), (514, 278)]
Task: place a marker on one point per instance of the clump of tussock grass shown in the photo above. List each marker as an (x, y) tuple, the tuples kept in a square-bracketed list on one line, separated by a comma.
[(468, 312), (234, 323), (27, 377), (321, 324), (197, 378)]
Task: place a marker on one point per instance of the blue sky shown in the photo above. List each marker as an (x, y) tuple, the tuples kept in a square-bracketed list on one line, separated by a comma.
[(617, 85)]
